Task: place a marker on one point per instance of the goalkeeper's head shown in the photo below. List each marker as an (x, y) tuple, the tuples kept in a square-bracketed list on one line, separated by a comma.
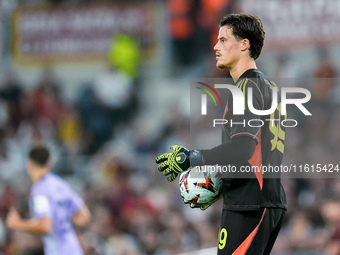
[(239, 42), (246, 26)]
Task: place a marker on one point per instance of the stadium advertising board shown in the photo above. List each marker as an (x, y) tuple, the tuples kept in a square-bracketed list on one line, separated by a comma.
[(77, 33), (290, 24)]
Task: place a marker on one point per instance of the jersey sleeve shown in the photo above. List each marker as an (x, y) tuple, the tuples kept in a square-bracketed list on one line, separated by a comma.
[(237, 150), (76, 202), (248, 124), (41, 206)]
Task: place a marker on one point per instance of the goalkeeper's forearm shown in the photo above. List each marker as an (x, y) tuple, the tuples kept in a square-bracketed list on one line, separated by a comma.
[(236, 151)]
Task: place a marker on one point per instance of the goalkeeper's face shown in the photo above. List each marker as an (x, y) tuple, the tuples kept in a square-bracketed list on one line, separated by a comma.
[(228, 49)]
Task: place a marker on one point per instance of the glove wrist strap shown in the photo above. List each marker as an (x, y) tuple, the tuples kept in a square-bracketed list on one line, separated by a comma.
[(196, 158)]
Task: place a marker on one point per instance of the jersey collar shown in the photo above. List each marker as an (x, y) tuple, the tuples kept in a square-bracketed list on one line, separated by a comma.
[(246, 74)]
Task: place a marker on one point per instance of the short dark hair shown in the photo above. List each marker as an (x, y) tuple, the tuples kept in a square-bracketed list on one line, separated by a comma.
[(40, 155), (246, 26)]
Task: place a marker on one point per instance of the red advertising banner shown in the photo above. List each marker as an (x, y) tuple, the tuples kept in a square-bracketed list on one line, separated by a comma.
[(77, 33)]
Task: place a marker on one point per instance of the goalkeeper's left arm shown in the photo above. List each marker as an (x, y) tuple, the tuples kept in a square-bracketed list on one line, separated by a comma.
[(181, 159)]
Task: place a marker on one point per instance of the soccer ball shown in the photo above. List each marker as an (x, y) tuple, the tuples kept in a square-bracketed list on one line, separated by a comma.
[(200, 187)]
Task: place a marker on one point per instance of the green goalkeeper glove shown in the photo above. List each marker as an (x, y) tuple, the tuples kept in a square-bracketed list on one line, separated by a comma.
[(206, 205), (202, 207), (172, 164), (180, 160)]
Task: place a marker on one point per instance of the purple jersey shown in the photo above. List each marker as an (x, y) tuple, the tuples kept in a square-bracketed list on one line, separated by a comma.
[(52, 197)]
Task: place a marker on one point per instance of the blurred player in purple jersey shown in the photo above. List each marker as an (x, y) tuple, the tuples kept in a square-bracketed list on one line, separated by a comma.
[(54, 207)]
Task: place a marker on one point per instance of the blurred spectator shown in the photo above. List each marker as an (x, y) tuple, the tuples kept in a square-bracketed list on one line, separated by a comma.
[(182, 29), (69, 130), (325, 82), (209, 14), (47, 100), (331, 211), (122, 244), (11, 92), (7, 198), (124, 55), (102, 108), (96, 121), (113, 89), (34, 129), (284, 69)]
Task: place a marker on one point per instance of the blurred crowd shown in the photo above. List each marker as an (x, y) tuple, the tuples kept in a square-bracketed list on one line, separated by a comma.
[(101, 144), (69, 3)]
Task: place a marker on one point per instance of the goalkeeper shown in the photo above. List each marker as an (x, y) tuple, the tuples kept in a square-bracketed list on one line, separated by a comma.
[(253, 204)]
